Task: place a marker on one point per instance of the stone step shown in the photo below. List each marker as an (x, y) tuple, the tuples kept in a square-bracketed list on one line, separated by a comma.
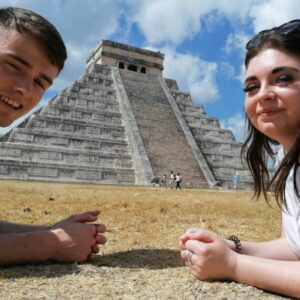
[(77, 113), (29, 170), (172, 84), (201, 133), (227, 160), (77, 127), (93, 77), (36, 153), (223, 150), (89, 103), (46, 138), (182, 98), (227, 173)]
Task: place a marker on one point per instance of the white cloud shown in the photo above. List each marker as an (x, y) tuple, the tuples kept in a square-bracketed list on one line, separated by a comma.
[(236, 124), (193, 75), (169, 21), (273, 13), (236, 43)]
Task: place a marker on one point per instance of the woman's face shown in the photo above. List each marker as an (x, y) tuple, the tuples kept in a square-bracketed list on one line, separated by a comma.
[(272, 86)]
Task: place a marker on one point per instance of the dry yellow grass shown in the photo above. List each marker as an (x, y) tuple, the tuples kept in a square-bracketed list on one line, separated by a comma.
[(141, 258)]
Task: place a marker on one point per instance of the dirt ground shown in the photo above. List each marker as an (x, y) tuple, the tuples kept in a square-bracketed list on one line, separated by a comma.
[(141, 259)]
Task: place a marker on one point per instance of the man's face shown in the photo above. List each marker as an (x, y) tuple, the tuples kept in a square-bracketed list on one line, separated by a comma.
[(25, 74)]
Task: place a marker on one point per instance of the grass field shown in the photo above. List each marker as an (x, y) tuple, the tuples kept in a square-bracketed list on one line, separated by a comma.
[(141, 259)]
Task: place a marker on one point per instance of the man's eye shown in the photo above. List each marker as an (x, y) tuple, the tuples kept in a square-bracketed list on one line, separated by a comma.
[(13, 66), (41, 84), (250, 88)]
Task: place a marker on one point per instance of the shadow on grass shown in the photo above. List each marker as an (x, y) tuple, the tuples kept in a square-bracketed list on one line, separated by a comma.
[(133, 259), (140, 258), (46, 270)]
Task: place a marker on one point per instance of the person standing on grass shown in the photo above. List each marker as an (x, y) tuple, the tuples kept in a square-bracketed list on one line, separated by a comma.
[(272, 103), (236, 181), (178, 181), (172, 179), (32, 53)]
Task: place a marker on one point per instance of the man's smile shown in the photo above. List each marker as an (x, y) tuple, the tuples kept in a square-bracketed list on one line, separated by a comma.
[(10, 102)]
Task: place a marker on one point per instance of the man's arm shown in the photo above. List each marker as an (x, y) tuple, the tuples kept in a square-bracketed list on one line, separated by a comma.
[(25, 247), (7, 227), (72, 239)]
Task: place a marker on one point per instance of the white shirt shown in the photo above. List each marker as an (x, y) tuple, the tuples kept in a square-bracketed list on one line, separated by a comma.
[(291, 215)]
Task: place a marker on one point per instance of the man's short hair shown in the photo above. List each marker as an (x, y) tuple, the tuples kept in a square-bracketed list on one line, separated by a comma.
[(23, 20)]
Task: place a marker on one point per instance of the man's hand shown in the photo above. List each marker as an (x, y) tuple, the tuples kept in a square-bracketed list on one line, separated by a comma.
[(75, 239)]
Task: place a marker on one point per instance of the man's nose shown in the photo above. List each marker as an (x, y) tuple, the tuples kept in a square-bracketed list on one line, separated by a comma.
[(24, 86)]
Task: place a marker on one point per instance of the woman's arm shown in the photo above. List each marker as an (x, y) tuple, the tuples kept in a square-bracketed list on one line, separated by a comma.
[(209, 257), (273, 275), (277, 249)]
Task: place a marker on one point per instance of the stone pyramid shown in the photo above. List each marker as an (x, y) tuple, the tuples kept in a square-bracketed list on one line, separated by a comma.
[(121, 122)]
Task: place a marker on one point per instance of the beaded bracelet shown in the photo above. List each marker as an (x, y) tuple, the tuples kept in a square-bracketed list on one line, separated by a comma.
[(237, 242)]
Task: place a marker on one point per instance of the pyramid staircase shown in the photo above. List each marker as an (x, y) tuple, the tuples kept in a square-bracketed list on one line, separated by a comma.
[(162, 135)]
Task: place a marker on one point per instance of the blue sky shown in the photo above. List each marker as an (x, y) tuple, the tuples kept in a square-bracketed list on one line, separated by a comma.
[(203, 41)]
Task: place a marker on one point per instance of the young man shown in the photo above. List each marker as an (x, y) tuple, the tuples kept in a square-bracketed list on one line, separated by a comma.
[(32, 54)]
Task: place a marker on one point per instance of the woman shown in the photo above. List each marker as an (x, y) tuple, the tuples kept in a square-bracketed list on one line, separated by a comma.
[(272, 102)]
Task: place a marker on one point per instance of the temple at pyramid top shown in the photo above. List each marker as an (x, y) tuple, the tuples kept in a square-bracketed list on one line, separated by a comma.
[(127, 57)]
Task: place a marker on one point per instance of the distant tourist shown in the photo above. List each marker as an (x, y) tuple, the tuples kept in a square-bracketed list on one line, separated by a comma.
[(172, 179), (272, 103), (178, 181), (163, 181), (236, 181), (32, 54)]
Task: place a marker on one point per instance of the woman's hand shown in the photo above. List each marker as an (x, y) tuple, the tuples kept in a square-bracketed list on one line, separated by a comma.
[(207, 254)]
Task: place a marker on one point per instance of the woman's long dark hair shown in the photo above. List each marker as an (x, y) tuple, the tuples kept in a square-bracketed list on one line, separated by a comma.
[(257, 146)]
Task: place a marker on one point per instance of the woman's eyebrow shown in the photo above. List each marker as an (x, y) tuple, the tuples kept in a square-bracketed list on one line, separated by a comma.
[(274, 71), (284, 68), (250, 78)]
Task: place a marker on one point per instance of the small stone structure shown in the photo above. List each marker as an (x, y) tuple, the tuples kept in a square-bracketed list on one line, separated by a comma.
[(121, 122)]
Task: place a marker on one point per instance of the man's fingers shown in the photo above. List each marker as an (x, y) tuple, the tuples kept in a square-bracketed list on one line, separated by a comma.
[(89, 216), (100, 228), (100, 239), (95, 249)]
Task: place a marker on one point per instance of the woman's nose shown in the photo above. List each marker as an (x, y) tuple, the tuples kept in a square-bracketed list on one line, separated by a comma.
[(266, 93)]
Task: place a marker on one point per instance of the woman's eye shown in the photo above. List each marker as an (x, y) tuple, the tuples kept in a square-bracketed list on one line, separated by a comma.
[(250, 88), (285, 79)]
